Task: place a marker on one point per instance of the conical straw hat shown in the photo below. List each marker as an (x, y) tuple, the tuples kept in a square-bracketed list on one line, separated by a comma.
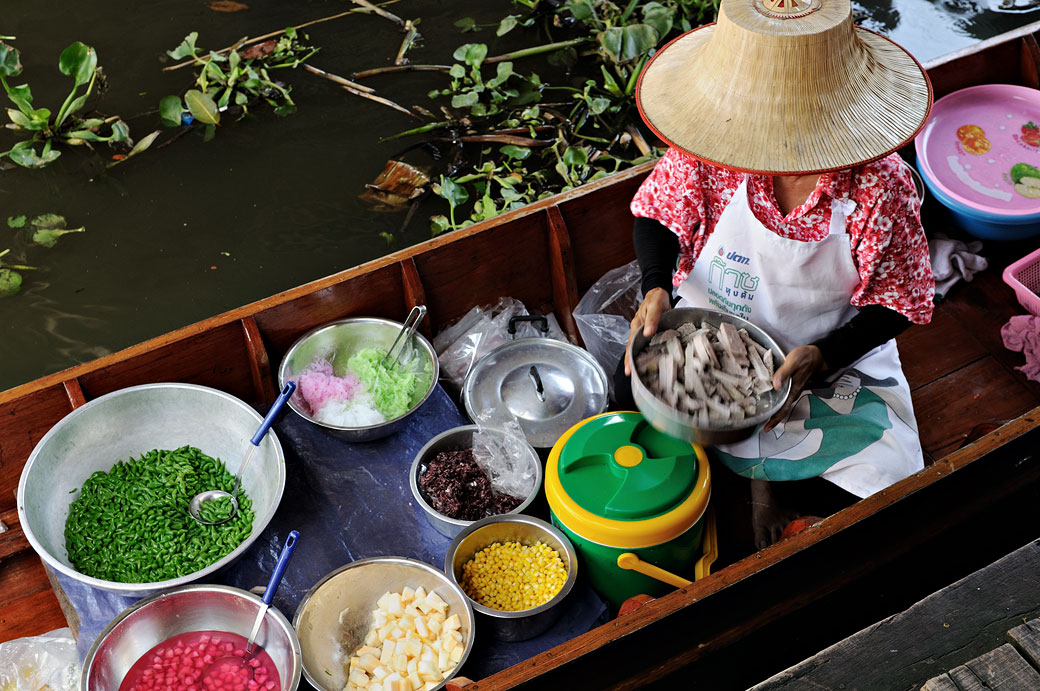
[(784, 87)]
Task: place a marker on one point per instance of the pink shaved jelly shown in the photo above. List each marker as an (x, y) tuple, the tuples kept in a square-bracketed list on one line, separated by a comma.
[(317, 385)]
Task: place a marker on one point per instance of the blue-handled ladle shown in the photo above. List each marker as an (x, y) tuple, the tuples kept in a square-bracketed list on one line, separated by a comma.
[(231, 665), (195, 507)]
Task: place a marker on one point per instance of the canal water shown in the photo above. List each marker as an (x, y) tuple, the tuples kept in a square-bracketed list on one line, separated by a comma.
[(195, 228)]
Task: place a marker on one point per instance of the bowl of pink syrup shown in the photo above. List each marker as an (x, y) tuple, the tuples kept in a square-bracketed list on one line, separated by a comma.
[(193, 639)]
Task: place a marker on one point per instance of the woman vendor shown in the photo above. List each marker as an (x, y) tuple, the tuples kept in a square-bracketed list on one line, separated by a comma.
[(781, 200)]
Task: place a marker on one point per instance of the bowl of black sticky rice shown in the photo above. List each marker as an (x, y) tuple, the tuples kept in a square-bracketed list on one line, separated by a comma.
[(103, 497), (471, 472)]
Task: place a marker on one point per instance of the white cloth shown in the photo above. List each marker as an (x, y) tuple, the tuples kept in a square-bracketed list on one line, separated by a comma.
[(953, 260), (860, 432)]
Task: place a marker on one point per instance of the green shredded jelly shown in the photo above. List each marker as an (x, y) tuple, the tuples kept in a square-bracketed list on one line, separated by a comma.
[(391, 389)]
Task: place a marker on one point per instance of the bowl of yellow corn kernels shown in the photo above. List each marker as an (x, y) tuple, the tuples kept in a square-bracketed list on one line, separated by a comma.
[(384, 623), (515, 570)]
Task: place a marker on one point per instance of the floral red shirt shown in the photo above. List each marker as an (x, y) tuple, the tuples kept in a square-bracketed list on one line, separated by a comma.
[(889, 247)]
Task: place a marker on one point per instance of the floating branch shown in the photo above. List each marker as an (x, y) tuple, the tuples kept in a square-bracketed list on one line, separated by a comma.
[(367, 93), (638, 140), (245, 42), (537, 50), (497, 139), (338, 80), (429, 127), (401, 68), (410, 35), (382, 13), (526, 52)]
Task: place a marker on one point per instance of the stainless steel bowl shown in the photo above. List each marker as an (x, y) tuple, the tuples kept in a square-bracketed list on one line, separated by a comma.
[(145, 624), (129, 422), (337, 341), (456, 439), (523, 624), (335, 615), (682, 426)]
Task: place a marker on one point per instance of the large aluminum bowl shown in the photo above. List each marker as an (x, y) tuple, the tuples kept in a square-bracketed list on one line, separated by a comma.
[(337, 341), (458, 438), (153, 620), (335, 615), (527, 530), (681, 425), (127, 423)]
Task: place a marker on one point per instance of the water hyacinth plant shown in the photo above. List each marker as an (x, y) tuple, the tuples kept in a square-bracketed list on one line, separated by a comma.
[(45, 130), (517, 137), (238, 77), (42, 231)]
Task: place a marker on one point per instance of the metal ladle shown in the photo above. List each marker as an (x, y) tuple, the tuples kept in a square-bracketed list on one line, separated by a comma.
[(195, 507), (229, 666), (407, 330)]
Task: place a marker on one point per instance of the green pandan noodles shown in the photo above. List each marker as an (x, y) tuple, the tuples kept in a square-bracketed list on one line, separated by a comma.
[(393, 391)]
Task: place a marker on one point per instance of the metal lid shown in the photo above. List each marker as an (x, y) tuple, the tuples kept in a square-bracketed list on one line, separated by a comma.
[(616, 480), (545, 384)]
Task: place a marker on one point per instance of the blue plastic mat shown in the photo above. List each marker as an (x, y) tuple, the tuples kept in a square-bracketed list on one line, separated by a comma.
[(351, 501)]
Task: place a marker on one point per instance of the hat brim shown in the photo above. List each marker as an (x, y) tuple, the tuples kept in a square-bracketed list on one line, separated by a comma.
[(728, 119)]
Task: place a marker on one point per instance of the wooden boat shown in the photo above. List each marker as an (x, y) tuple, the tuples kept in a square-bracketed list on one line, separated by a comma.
[(757, 614)]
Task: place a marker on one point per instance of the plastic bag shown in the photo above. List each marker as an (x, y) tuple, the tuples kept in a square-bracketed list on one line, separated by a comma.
[(604, 312), (480, 331), (48, 662), (501, 458)]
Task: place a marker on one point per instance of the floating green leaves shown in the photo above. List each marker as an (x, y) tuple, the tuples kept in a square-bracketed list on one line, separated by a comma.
[(202, 107), (240, 79), (80, 62), (551, 137), (49, 227), (44, 231)]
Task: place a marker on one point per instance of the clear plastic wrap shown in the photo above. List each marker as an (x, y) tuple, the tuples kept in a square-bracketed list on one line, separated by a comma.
[(480, 331), (47, 662), (503, 459), (604, 313)]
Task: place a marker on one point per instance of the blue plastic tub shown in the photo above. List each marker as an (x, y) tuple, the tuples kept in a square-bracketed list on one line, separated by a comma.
[(988, 226)]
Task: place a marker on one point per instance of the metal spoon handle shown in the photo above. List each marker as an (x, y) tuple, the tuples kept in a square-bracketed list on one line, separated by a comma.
[(272, 585), (407, 330), (276, 407), (279, 568)]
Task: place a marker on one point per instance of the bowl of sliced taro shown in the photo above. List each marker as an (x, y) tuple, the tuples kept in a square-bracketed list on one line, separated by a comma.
[(706, 376)]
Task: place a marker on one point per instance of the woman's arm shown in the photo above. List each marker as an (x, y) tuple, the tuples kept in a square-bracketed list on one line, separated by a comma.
[(872, 326), (657, 249)]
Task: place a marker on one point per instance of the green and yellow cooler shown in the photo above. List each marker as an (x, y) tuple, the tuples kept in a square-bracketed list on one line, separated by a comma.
[(634, 501)]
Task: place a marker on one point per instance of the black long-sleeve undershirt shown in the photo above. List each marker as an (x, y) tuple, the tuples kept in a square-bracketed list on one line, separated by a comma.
[(657, 249)]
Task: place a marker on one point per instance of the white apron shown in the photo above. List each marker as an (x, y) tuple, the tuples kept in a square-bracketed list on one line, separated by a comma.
[(859, 432)]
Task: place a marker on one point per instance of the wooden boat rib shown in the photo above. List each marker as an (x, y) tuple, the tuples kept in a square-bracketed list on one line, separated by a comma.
[(745, 621)]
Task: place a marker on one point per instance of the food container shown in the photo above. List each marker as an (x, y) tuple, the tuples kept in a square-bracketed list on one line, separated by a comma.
[(336, 342), (615, 485), (127, 423), (1024, 277), (684, 426), (459, 438), (544, 384), (522, 624), (979, 154), (334, 617), (146, 623)]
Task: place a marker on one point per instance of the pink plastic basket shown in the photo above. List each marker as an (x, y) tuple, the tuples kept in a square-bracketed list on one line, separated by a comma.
[(1024, 277)]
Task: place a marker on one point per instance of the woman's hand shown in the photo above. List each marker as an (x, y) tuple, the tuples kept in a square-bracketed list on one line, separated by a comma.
[(799, 365), (655, 303)]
